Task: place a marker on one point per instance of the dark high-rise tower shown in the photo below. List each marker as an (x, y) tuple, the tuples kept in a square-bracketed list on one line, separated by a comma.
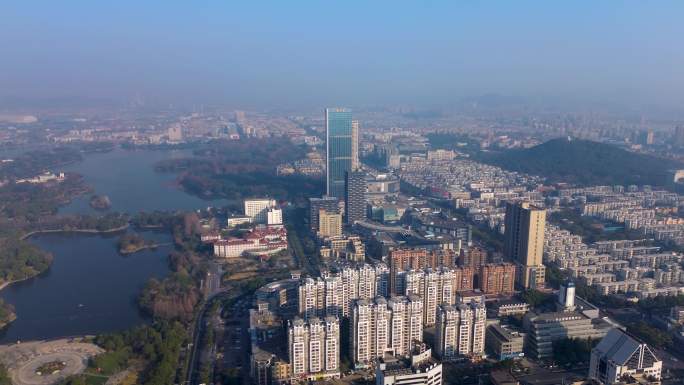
[(328, 204), (338, 141), (355, 196)]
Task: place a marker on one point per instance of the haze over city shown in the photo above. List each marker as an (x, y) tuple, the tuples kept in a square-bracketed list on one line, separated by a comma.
[(302, 54), (341, 192)]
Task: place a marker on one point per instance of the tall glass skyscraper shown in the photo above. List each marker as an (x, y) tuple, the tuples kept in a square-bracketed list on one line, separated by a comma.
[(338, 140)]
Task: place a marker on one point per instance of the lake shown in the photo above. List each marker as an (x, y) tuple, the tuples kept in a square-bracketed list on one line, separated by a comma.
[(129, 179), (90, 288)]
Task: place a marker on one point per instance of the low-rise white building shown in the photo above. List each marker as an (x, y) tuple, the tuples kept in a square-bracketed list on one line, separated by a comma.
[(619, 354), (422, 369)]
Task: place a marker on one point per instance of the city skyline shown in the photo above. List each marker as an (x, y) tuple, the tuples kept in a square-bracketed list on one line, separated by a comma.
[(387, 192)]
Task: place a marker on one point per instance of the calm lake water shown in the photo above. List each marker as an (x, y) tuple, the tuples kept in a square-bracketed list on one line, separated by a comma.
[(129, 179), (90, 288)]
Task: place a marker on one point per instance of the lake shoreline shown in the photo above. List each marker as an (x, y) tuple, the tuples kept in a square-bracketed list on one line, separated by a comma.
[(57, 231), (81, 231)]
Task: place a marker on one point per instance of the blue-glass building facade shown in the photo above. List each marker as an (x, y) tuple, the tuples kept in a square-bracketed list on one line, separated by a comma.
[(338, 141)]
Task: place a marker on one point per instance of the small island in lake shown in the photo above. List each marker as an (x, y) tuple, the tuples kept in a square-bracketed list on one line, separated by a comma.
[(132, 243), (100, 202)]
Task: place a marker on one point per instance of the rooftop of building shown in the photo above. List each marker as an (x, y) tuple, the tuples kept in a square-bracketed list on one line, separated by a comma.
[(402, 366), (506, 333), (558, 316), (619, 346)]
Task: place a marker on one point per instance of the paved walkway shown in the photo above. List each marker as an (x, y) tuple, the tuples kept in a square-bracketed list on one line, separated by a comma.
[(23, 359)]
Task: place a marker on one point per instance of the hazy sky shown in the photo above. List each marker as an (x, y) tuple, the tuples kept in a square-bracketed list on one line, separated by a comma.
[(314, 53)]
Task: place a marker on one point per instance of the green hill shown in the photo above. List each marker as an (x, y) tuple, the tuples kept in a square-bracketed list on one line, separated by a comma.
[(585, 162)]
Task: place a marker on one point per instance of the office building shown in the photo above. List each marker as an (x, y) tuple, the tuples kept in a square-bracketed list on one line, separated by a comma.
[(257, 209), (329, 224), (620, 356), (460, 331), (329, 204), (274, 217), (354, 196), (524, 242), (314, 348), (338, 134), (420, 369), (543, 329), (355, 164), (504, 343), (497, 278)]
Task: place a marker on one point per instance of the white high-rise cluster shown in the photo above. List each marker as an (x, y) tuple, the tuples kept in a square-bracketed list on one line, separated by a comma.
[(434, 286), (314, 347), (460, 330), (333, 294), (380, 326)]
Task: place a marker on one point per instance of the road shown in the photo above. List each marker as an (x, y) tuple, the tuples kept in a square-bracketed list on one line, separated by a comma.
[(213, 280), (212, 290), (236, 341)]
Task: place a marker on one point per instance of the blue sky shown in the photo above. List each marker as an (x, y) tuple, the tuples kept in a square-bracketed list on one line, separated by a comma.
[(313, 53)]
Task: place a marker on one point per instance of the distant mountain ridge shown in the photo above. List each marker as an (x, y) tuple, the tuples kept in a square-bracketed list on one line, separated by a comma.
[(585, 162)]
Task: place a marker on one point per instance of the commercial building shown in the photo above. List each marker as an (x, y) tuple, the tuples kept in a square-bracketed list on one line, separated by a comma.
[(421, 369), (329, 204), (460, 331), (314, 348), (524, 242), (354, 196), (504, 343), (543, 329), (338, 140), (257, 209), (621, 355), (497, 278), (329, 224)]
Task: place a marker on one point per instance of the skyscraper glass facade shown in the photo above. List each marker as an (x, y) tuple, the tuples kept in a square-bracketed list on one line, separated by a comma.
[(338, 127)]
